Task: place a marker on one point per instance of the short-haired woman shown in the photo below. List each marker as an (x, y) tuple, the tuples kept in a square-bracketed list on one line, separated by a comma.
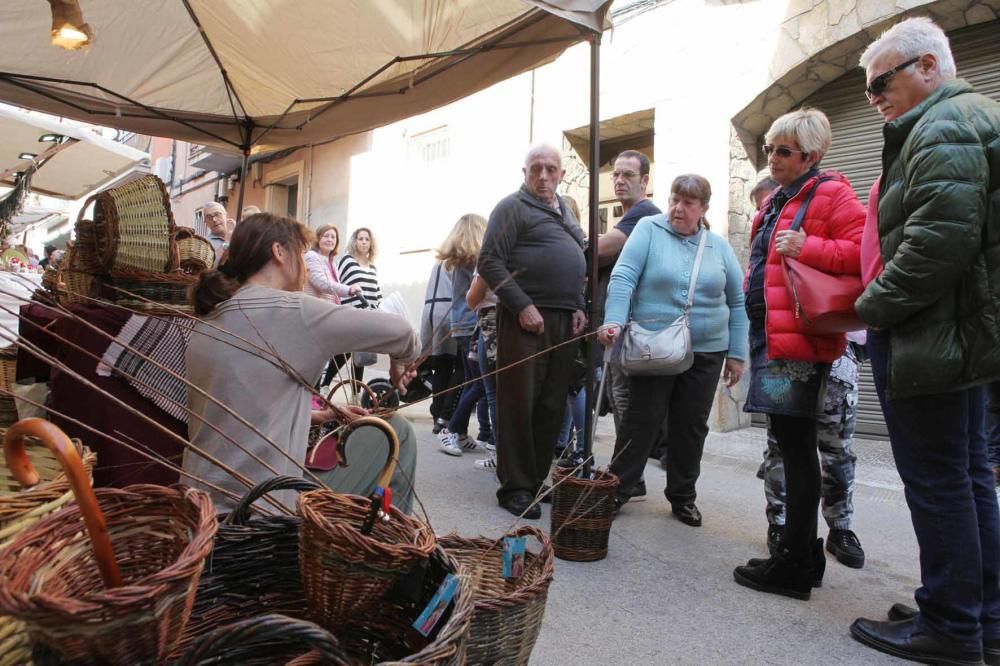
[(357, 268), (649, 285), (257, 296), (789, 367), (324, 283)]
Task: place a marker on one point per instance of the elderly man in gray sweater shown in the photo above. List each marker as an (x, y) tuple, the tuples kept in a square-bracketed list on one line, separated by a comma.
[(532, 258)]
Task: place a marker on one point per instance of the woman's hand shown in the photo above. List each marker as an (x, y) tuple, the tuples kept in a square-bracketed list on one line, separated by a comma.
[(400, 375), (732, 372), (355, 289), (606, 334), (789, 243)]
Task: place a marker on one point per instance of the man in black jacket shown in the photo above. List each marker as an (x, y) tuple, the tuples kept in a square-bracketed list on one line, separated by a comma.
[(532, 258)]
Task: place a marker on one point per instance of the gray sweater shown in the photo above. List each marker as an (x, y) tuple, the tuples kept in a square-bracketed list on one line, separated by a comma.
[(545, 247)]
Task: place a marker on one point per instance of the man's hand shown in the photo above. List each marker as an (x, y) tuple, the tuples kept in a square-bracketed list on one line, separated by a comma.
[(400, 375), (606, 334), (732, 372), (531, 320), (789, 243), (357, 410), (579, 322)]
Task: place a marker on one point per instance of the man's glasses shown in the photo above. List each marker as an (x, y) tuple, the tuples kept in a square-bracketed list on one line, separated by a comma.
[(881, 82), (627, 175), (780, 151)]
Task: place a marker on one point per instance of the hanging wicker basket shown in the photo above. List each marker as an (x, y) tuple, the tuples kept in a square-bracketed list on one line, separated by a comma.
[(346, 572), (507, 613), (582, 513), (134, 227), (196, 252), (19, 509), (121, 596)]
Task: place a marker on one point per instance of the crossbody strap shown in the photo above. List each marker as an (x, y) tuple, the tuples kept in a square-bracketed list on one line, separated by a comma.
[(696, 269), (800, 214)]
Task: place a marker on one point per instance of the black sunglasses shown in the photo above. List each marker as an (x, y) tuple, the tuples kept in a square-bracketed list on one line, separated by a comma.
[(780, 151), (879, 84)]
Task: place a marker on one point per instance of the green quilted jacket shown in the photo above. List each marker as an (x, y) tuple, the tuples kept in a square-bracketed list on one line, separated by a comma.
[(939, 235)]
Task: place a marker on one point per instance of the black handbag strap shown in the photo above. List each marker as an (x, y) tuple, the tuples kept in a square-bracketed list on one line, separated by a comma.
[(800, 215)]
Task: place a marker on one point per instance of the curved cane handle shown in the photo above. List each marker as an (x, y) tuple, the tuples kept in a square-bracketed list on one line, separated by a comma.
[(384, 426), (356, 383), (67, 455)]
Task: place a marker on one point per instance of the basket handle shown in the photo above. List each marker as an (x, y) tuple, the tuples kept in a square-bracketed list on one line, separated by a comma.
[(67, 455), (241, 513), (264, 629), (384, 426), (356, 383)]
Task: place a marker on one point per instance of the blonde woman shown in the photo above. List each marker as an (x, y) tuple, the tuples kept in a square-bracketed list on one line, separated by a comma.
[(458, 254), (357, 267)]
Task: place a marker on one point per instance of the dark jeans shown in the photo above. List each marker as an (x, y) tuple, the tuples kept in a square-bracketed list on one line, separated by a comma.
[(531, 398), (940, 452), (443, 370), (473, 396), (796, 438), (686, 399), (993, 423)]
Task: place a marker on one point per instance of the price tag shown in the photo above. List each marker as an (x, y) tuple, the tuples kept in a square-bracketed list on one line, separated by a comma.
[(513, 557), (431, 615)]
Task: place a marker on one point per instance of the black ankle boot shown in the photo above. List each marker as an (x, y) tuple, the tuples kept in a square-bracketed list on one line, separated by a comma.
[(779, 574), (818, 563)]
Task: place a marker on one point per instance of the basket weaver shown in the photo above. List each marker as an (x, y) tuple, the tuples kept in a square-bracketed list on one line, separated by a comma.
[(507, 614), (21, 508), (582, 513), (195, 252), (134, 227), (120, 591)]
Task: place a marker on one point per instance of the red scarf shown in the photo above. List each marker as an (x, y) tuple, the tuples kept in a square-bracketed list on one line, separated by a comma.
[(871, 254)]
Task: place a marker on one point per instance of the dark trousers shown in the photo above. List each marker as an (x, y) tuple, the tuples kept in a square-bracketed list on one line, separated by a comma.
[(940, 453), (685, 400), (993, 423), (531, 398), (333, 370), (796, 438), (442, 371)]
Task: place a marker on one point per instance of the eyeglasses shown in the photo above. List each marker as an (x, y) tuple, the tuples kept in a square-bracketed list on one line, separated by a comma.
[(627, 175), (781, 151), (881, 82)]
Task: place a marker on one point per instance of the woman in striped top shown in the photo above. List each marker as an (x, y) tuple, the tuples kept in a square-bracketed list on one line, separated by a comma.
[(357, 267)]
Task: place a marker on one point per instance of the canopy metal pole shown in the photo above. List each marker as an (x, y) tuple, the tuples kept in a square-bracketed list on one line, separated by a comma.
[(243, 184), (595, 200)]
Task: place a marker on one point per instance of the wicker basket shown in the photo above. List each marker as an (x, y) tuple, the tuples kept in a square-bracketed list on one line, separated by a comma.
[(582, 512), (74, 284), (8, 375), (196, 252), (20, 509), (507, 614), (70, 591), (134, 227), (153, 292), (87, 258)]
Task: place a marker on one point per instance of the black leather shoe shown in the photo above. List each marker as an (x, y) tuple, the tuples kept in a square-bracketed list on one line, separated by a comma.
[(639, 489), (547, 497), (991, 646), (846, 547), (818, 562), (904, 639), (774, 534), (902, 612), (779, 574), (687, 514), (519, 504)]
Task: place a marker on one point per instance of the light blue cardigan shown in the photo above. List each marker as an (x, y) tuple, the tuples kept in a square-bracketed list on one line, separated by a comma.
[(660, 261)]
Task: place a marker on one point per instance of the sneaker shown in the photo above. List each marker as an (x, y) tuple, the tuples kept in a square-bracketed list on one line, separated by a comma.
[(846, 547), (570, 459), (454, 444), (485, 443), (487, 464)]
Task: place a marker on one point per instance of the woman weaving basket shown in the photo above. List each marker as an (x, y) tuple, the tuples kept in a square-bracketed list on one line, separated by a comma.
[(257, 296)]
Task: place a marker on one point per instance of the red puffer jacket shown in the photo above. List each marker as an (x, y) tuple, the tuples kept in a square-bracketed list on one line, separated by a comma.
[(833, 226)]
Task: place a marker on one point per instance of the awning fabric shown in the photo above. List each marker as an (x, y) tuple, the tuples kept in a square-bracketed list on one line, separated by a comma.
[(86, 164), (277, 73)]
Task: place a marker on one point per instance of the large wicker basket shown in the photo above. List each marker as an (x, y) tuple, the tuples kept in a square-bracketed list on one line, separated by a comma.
[(507, 615), (196, 252), (123, 600), (134, 227), (87, 258), (74, 284), (8, 375), (19, 509), (165, 293), (582, 513)]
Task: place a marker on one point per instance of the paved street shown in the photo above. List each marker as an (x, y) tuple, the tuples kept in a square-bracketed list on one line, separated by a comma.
[(665, 594)]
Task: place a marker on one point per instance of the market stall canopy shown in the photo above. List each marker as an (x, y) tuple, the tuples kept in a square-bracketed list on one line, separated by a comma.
[(85, 162), (33, 215), (271, 74)]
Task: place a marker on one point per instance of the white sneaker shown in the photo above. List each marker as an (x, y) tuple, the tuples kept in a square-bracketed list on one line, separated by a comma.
[(487, 464), (486, 446), (453, 444)]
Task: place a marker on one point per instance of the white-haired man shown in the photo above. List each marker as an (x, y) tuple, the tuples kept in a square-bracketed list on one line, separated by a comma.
[(931, 261), (532, 258), (218, 227)]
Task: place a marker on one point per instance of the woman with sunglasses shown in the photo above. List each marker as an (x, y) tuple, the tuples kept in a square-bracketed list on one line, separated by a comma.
[(788, 367)]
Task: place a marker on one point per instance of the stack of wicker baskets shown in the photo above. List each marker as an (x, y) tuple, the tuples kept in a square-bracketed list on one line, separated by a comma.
[(133, 245), (8, 374)]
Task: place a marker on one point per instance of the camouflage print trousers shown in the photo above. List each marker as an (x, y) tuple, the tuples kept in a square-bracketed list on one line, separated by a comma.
[(835, 437)]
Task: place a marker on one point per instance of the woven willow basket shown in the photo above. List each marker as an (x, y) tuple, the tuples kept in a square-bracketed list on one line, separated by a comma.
[(19, 509), (196, 252), (163, 293), (74, 284), (8, 375), (85, 244), (134, 227), (582, 513)]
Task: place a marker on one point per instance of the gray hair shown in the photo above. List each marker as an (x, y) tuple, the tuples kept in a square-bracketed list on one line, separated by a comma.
[(913, 38), (809, 127), (540, 149), (211, 205)]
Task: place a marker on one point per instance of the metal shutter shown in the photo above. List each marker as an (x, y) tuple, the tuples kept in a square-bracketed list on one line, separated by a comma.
[(857, 149)]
